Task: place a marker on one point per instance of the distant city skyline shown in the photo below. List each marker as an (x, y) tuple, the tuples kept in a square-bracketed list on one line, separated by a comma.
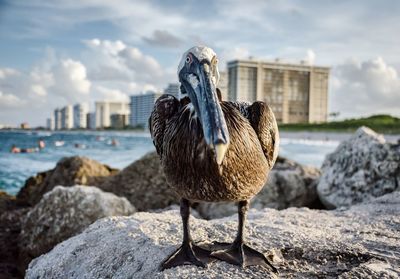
[(66, 52)]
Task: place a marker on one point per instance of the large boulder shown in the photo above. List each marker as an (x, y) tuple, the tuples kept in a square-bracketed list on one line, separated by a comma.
[(302, 243), (10, 228), (69, 171), (64, 212), (7, 202), (361, 168), (143, 183), (289, 185), (11, 215)]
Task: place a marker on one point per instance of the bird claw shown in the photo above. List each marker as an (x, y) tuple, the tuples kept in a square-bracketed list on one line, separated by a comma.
[(188, 254), (240, 254)]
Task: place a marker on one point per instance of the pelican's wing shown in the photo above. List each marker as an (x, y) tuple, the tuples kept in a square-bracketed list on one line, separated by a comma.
[(164, 108), (262, 119)]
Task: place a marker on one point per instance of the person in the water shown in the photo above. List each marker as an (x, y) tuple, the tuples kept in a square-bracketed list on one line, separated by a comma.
[(41, 145), (15, 149)]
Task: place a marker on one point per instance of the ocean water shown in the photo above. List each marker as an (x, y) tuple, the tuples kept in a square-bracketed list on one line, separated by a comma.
[(16, 168)]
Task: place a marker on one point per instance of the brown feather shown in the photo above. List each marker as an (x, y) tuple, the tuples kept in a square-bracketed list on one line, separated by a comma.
[(190, 165)]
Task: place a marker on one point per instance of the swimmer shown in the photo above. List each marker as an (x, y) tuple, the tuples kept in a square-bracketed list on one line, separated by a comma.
[(41, 144), (114, 142), (15, 149)]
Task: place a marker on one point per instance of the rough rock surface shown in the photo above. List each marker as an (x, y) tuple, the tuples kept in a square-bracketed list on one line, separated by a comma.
[(64, 212), (68, 172), (289, 185), (10, 228), (362, 242), (361, 168), (143, 183), (7, 202)]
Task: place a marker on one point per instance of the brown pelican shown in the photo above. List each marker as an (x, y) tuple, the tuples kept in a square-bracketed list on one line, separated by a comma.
[(212, 150)]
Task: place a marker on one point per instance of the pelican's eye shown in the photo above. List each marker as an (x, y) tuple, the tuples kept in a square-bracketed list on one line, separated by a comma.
[(188, 59)]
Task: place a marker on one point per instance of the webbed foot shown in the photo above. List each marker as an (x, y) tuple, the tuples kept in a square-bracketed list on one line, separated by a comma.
[(241, 254), (188, 254)]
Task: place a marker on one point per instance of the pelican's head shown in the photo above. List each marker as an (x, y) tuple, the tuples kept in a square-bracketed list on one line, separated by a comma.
[(198, 75)]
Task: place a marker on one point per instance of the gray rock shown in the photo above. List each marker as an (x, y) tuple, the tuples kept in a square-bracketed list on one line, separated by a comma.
[(143, 183), (289, 185), (362, 242), (64, 212), (69, 171), (361, 168)]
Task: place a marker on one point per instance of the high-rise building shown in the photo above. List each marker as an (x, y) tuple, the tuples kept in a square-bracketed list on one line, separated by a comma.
[(50, 123), (57, 119), (141, 108), (91, 120), (80, 115), (173, 89), (67, 120), (105, 109), (296, 93), (119, 121), (223, 85)]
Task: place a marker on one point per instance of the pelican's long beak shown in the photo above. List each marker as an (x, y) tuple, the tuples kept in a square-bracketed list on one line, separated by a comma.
[(203, 94)]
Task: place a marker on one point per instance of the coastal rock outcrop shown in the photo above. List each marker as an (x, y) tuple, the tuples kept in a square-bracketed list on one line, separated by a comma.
[(143, 183), (361, 242), (69, 171), (361, 168), (64, 212), (289, 185), (7, 202), (10, 228)]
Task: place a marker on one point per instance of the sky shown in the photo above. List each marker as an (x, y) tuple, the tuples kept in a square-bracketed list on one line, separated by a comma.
[(54, 53)]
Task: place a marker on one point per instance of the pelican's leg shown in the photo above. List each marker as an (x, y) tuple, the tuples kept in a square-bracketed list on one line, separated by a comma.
[(188, 252), (239, 253)]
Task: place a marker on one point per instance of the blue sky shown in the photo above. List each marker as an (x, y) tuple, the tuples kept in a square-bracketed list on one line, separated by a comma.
[(54, 53)]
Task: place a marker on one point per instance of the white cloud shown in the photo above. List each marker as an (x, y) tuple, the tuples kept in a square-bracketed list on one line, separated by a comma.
[(116, 61), (110, 94), (310, 57), (10, 101), (7, 72), (365, 88), (70, 80), (231, 54)]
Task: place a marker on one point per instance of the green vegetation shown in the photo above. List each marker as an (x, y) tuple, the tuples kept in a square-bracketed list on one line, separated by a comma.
[(385, 124)]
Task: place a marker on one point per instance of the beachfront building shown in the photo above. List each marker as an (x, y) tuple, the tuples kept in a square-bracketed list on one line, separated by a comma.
[(104, 110), (119, 121), (24, 126), (57, 119), (296, 93), (50, 123), (141, 106), (223, 85), (67, 119), (172, 89), (91, 120), (80, 115)]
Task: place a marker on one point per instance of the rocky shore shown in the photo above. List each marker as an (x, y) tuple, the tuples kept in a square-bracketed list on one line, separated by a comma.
[(56, 212)]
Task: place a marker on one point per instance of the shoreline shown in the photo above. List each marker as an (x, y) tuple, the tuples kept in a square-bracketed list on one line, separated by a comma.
[(301, 134)]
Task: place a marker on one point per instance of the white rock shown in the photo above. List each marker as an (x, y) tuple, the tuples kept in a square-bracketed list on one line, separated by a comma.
[(64, 212), (361, 168), (304, 243)]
